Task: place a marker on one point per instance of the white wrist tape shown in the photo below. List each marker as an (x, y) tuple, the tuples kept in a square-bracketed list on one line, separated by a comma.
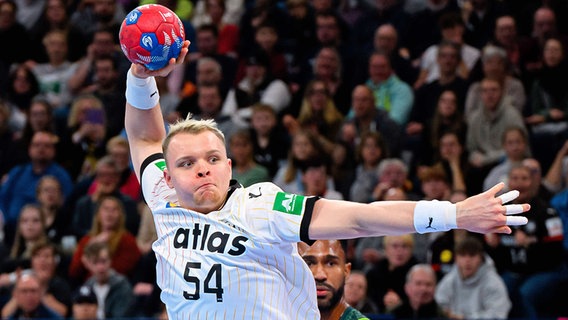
[(434, 216), (141, 93)]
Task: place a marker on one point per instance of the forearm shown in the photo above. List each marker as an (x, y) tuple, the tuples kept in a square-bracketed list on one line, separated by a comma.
[(334, 219)]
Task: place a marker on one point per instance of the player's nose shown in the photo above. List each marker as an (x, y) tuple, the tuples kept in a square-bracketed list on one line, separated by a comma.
[(202, 170), (319, 272)]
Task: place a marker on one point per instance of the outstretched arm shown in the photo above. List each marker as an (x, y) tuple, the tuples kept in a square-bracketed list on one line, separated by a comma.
[(483, 213), (144, 123)]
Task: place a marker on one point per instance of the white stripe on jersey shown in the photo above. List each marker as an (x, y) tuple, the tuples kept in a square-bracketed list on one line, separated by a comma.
[(237, 263)]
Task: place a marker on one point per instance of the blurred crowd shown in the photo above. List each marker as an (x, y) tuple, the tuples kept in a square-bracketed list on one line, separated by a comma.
[(363, 100)]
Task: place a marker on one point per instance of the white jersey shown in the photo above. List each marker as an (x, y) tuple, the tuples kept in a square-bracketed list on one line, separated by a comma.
[(240, 262)]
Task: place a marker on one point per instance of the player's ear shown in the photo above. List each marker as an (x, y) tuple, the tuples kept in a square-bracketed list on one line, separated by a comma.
[(168, 178), (347, 269)]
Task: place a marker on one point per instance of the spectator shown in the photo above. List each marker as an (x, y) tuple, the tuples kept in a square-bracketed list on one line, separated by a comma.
[(232, 13), (85, 304), (318, 114), (487, 125), (434, 183), (108, 229), (420, 287), (367, 118), (56, 291), (106, 183), (21, 88), (355, 293), (98, 14), (505, 35), (305, 147), (391, 94), (326, 260), (480, 20), (549, 103), (118, 149), (386, 279), (270, 140), (115, 299), (495, 66), (516, 145), (257, 86), (27, 297), (85, 136), (441, 250), (343, 168), (29, 231), (370, 151), (228, 32), (532, 256), (473, 289), (386, 40), (54, 74), (315, 177), (393, 173), (453, 28), (245, 170), (50, 200), (20, 186), (39, 118), (12, 31)]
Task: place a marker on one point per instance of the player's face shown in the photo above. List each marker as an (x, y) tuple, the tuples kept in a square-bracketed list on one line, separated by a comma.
[(326, 260), (199, 170)]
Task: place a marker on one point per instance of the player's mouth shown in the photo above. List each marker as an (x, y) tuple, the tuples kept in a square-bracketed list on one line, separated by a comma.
[(322, 291), (205, 186)]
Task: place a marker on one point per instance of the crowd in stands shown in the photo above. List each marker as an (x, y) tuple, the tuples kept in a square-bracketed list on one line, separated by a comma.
[(363, 100)]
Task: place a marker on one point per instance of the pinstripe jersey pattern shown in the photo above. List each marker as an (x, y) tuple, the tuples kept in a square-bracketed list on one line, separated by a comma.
[(237, 263)]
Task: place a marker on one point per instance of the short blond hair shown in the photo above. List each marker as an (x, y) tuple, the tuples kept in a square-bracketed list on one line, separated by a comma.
[(191, 126), (406, 239)]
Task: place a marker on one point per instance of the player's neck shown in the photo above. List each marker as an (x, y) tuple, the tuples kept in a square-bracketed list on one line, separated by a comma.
[(336, 312)]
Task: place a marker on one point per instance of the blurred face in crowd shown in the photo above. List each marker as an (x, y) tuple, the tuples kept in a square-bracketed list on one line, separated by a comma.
[(394, 175), (42, 147), (22, 82), (49, 193), (302, 147), (103, 43), (362, 101), (55, 11), (39, 116), (206, 42), (544, 23), (107, 177), (494, 67), (317, 96), (468, 264), (263, 122), (315, 180), (44, 263), (7, 15), (515, 145), (398, 250), (386, 38), (491, 93), (450, 146), (121, 155), (448, 59), (327, 30), (100, 265), (355, 288), (31, 226), (215, 10), (104, 10), (553, 52), (326, 65), (209, 100), (326, 260), (447, 103), (208, 73), (379, 68), (105, 73), (28, 293), (520, 179), (371, 152), (56, 47), (85, 311), (241, 149), (435, 189), (110, 212), (506, 30), (420, 288), (266, 37)]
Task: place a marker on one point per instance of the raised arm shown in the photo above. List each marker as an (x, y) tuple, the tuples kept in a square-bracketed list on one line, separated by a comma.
[(482, 213), (144, 123)]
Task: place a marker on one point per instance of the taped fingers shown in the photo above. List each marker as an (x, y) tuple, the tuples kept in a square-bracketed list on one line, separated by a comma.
[(514, 208), (509, 196), (516, 221)]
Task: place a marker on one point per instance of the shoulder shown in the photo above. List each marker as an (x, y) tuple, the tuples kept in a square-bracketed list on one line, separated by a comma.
[(352, 314)]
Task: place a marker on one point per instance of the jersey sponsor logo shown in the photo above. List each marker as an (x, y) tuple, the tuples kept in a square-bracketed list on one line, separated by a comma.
[(252, 195), (288, 203), (200, 238), (160, 164)]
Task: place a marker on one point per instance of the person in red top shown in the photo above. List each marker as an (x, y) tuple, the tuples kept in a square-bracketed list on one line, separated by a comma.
[(108, 226)]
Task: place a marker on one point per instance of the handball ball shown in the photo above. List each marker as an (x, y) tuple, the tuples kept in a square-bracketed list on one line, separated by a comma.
[(151, 35)]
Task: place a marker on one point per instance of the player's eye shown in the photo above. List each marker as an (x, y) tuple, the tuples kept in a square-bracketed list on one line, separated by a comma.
[(186, 164), (213, 159)]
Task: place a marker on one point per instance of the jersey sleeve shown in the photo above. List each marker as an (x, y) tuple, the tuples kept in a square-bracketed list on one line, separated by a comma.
[(154, 188), (276, 215)]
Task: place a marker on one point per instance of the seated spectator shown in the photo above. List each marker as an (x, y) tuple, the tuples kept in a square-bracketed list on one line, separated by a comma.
[(506, 37), (305, 146), (326, 260), (50, 200), (386, 40), (107, 178), (318, 114), (245, 170), (56, 291), (393, 173), (531, 257), (27, 297), (386, 279), (370, 151), (113, 291), (315, 177), (495, 66), (434, 183), (21, 88), (108, 229), (420, 287), (85, 304), (343, 168), (355, 293), (516, 145), (473, 289), (20, 186), (30, 230), (39, 118), (270, 140), (257, 86)]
